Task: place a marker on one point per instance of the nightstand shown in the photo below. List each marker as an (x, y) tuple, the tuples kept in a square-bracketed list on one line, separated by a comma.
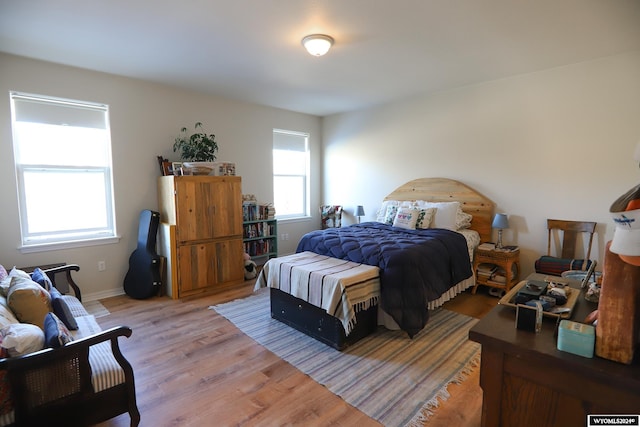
[(509, 260)]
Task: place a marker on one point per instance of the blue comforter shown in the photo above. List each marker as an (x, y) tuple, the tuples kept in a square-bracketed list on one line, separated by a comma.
[(416, 266)]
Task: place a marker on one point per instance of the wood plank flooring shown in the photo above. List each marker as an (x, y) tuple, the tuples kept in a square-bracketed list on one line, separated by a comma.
[(195, 368)]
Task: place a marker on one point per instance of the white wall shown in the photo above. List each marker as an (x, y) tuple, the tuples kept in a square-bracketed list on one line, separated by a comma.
[(551, 144), (145, 118)]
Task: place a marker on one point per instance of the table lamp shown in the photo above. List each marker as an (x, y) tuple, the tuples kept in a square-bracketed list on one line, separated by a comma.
[(359, 212), (500, 222)]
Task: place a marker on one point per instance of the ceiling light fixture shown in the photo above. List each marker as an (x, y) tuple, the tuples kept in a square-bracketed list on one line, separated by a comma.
[(317, 44)]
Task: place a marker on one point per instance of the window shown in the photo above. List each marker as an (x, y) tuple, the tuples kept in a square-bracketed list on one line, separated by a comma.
[(62, 153), (290, 174)]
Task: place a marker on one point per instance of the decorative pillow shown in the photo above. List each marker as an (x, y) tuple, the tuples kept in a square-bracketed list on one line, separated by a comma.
[(22, 338), (41, 278), (29, 301), (6, 282), (425, 217), (406, 218), (382, 212), (3, 273), (445, 216), (390, 216), (463, 219), (62, 310), (55, 333)]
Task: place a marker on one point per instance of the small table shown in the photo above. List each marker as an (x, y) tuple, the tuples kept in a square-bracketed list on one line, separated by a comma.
[(508, 260)]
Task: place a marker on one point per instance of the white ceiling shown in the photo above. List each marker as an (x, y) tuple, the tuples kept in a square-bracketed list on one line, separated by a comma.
[(250, 49)]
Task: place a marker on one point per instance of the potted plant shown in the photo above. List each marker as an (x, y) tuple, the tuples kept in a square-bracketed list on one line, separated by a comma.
[(199, 147)]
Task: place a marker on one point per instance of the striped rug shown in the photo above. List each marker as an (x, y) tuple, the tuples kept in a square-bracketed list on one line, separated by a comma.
[(391, 378)]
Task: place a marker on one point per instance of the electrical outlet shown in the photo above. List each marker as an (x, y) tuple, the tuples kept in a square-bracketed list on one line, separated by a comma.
[(102, 266)]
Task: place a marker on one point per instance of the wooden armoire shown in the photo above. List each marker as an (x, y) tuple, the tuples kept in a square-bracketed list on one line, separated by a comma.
[(200, 233)]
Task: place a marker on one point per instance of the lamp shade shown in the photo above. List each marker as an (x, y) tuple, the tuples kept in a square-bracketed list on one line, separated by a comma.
[(317, 44), (500, 221), (360, 210)]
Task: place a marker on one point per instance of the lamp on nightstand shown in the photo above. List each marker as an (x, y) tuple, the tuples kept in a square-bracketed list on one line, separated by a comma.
[(359, 212), (500, 221)]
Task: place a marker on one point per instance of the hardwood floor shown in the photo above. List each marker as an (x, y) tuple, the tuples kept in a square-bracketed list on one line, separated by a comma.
[(195, 368)]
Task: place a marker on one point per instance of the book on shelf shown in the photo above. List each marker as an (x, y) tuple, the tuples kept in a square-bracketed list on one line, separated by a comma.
[(254, 211), (487, 246)]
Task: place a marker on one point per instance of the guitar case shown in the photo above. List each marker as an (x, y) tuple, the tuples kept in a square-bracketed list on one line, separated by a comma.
[(143, 280)]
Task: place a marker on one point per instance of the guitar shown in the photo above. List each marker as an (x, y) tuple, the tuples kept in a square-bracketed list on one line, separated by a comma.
[(143, 280)]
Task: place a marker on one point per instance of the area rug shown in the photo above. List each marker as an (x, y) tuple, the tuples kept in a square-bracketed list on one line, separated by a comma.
[(393, 379), (96, 308)]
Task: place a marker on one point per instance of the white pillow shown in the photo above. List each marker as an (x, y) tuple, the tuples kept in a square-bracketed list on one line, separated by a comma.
[(22, 338), (390, 215), (463, 219), (406, 218), (445, 216), (384, 209), (425, 217), (6, 315), (382, 212), (15, 272)]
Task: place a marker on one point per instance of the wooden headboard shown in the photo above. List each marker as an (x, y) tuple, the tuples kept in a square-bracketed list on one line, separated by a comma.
[(449, 190)]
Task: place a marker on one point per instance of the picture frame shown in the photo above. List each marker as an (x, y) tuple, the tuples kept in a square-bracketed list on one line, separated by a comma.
[(166, 168), (177, 168)]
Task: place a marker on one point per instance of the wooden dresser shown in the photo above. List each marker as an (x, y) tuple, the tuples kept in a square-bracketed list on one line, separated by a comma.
[(201, 233), (528, 382)]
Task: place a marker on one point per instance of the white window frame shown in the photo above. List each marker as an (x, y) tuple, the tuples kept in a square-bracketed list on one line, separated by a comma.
[(305, 212), (52, 239)]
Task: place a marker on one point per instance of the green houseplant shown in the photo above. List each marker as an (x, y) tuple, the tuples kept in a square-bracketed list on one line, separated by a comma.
[(198, 147)]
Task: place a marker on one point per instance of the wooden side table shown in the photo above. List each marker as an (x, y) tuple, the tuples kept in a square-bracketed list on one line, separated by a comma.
[(508, 260)]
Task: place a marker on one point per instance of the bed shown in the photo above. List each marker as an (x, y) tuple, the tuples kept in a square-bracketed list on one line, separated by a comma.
[(420, 269)]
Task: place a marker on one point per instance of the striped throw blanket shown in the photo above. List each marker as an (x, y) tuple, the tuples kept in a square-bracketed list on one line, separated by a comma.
[(339, 287)]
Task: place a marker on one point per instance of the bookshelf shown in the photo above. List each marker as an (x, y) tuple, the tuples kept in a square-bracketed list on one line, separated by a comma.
[(259, 232)]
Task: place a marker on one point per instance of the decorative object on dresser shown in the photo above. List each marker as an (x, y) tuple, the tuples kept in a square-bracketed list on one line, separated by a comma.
[(201, 233), (618, 315), (197, 147)]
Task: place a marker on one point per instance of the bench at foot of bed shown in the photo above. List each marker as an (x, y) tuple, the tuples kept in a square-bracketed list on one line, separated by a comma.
[(329, 299)]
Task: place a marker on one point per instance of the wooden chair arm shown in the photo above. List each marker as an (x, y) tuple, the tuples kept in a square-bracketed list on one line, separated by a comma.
[(67, 269), (73, 347)]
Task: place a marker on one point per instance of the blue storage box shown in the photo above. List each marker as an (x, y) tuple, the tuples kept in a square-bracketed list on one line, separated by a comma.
[(576, 338)]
